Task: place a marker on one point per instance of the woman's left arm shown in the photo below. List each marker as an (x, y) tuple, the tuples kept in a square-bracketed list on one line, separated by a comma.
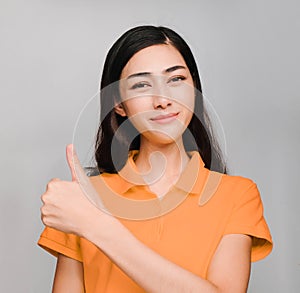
[(67, 209)]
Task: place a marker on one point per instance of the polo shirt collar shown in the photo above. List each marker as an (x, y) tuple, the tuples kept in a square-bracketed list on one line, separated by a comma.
[(191, 180)]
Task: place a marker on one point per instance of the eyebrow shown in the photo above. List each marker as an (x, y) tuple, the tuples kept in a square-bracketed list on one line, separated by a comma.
[(176, 67), (168, 70)]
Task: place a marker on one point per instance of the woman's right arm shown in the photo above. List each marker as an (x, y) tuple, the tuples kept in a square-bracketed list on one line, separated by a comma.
[(68, 276)]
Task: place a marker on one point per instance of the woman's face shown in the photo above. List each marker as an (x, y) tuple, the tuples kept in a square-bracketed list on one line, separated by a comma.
[(157, 93)]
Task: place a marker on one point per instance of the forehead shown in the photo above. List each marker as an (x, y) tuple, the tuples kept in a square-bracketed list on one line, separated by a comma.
[(154, 59)]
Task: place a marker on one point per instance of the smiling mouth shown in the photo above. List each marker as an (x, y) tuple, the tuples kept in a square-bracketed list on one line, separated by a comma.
[(165, 118)]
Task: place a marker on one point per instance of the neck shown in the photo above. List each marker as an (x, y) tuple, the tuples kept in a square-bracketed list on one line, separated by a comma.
[(157, 162)]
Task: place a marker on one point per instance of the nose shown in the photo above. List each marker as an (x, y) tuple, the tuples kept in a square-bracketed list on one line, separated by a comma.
[(160, 94), (161, 102)]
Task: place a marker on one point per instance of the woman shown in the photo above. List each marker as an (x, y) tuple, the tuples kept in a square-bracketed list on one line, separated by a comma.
[(171, 220)]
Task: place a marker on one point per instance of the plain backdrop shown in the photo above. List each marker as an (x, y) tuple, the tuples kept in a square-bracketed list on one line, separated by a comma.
[(52, 53)]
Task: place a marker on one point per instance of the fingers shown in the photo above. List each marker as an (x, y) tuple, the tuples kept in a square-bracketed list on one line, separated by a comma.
[(49, 186), (70, 160), (47, 199), (80, 177), (51, 183), (76, 169)]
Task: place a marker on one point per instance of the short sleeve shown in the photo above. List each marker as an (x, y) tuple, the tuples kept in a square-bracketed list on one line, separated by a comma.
[(247, 218), (56, 242)]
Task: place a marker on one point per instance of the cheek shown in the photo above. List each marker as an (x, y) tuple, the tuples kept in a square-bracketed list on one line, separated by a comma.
[(188, 105), (190, 101), (137, 112), (188, 117), (190, 98), (131, 107), (138, 105), (184, 95)]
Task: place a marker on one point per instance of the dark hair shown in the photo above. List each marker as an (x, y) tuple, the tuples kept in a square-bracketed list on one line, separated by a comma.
[(199, 127)]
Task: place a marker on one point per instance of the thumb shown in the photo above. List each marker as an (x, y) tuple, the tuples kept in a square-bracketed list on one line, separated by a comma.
[(79, 176), (74, 164)]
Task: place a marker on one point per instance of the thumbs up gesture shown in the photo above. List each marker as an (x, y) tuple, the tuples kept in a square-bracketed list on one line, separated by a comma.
[(68, 206)]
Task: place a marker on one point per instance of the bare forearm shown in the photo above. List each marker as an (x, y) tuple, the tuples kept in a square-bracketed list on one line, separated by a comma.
[(153, 272), (146, 267), (68, 276)]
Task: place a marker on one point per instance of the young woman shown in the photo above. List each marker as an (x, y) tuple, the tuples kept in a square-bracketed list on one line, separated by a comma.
[(171, 219)]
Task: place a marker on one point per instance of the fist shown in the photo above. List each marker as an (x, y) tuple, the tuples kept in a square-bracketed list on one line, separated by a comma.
[(69, 205)]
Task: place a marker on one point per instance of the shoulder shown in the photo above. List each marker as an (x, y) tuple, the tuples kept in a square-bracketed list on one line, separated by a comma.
[(236, 182), (240, 188), (242, 195), (239, 192), (111, 180), (228, 189)]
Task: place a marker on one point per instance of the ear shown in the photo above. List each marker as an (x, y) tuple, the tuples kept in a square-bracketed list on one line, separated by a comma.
[(119, 109)]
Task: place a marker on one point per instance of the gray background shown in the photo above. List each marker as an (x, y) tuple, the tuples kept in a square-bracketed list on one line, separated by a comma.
[(52, 54)]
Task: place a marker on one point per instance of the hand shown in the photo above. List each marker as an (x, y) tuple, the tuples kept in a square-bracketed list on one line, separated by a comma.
[(65, 204)]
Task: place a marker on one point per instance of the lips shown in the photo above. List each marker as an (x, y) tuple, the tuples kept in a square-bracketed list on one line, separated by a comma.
[(165, 117)]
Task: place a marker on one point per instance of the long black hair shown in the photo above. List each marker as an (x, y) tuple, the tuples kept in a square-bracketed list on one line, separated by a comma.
[(112, 146)]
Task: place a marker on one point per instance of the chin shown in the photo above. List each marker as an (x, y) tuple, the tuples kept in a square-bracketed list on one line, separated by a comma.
[(156, 137)]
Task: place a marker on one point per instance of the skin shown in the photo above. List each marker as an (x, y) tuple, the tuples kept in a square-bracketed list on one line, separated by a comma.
[(67, 209), (150, 89)]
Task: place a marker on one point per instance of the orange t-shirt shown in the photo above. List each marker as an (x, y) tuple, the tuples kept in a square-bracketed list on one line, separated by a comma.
[(209, 206)]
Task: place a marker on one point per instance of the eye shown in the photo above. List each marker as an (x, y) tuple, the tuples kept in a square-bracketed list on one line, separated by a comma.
[(140, 85), (177, 78)]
